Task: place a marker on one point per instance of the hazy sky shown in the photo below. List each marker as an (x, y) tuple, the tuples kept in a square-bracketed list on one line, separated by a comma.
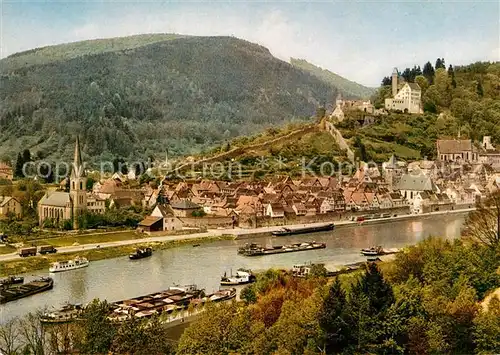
[(362, 41)]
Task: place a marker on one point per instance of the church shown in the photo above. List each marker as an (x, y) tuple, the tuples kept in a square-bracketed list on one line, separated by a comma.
[(60, 206), (406, 97)]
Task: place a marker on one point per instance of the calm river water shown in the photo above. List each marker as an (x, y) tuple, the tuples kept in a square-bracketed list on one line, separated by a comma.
[(121, 278)]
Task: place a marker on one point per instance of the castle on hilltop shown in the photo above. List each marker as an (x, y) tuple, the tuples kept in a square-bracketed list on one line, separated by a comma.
[(406, 97)]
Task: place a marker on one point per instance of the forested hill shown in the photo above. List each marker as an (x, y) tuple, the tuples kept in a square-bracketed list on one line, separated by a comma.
[(349, 89), (181, 94)]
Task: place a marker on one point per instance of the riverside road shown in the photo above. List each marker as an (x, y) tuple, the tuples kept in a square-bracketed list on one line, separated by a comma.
[(237, 232)]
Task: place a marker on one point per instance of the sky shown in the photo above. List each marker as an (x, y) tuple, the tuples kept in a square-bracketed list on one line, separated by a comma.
[(360, 40)]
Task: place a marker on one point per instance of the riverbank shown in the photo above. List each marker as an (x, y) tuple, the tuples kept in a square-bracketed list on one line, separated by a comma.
[(267, 231), (23, 265), (99, 249)]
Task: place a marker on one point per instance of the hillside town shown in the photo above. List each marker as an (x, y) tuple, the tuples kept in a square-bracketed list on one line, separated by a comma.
[(462, 174)]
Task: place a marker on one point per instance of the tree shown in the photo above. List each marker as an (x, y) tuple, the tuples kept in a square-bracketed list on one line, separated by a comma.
[(451, 74), (440, 63), (487, 329), (386, 81), (141, 337), (90, 183), (97, 331), (442, 83), (422, 82), (378, 290), (10, 337), (18, 171), (221, 329), (428, 72), (479, 89), (33, 334), (332, 320), (26, 156), (318, 270), (248, 295), (483, 224), (407, 75)]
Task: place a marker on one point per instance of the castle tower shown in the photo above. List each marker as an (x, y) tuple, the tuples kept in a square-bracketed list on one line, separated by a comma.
[(78, 185), (394, 82)]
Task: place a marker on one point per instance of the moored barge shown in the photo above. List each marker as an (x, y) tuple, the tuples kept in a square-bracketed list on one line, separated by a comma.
[(292, 231), (16, 292), (165, 302), (141, 253), (12, 280), (242, 277), (257, 250), (68, 313), (378, 251)]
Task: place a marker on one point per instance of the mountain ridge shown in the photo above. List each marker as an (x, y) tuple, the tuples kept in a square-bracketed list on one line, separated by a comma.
[(182, 95), (349, 88)]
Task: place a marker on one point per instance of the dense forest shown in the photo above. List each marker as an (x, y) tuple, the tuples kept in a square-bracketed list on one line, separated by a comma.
[(177, 95)]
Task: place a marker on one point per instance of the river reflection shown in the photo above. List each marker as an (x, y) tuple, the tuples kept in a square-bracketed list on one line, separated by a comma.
[(120, 278)]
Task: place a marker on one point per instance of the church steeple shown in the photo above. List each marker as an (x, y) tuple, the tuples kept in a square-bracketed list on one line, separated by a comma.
[(78, 185), (77, 169)]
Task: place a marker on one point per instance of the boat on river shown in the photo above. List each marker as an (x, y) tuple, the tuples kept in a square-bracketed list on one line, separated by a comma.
[(141, 253), (68, 313), (242, 277), (15, 292), (257, 250), (165, 302), (292, 231), (73, 264), (378, 251), (373, 251), (12, 280)]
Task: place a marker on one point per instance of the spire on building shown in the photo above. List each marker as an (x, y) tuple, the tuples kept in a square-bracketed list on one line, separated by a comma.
[(77, 169)]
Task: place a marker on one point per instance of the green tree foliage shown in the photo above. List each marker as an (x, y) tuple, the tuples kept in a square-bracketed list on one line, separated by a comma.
[(428, 72), (440, 63), (333, 320), (97, 332), (451, 74), (115, 217), (18, 171), (221, 329), (487, 328), (142, 338), (386, 81)]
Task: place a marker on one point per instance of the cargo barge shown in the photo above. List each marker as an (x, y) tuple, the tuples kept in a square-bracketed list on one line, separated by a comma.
[(68, 313), (141, 253), (257, 250), (13, 293), (165, 302), (292, 231), (12, 280)]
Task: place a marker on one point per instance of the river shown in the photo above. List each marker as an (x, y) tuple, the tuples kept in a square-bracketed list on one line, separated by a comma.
[(121, 278)]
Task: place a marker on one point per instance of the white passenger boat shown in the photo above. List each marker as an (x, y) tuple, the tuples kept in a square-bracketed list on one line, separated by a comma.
[(242, 277), (76, 263)]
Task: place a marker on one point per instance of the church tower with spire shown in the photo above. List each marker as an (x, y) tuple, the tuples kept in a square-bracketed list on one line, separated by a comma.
[(78, 185)]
